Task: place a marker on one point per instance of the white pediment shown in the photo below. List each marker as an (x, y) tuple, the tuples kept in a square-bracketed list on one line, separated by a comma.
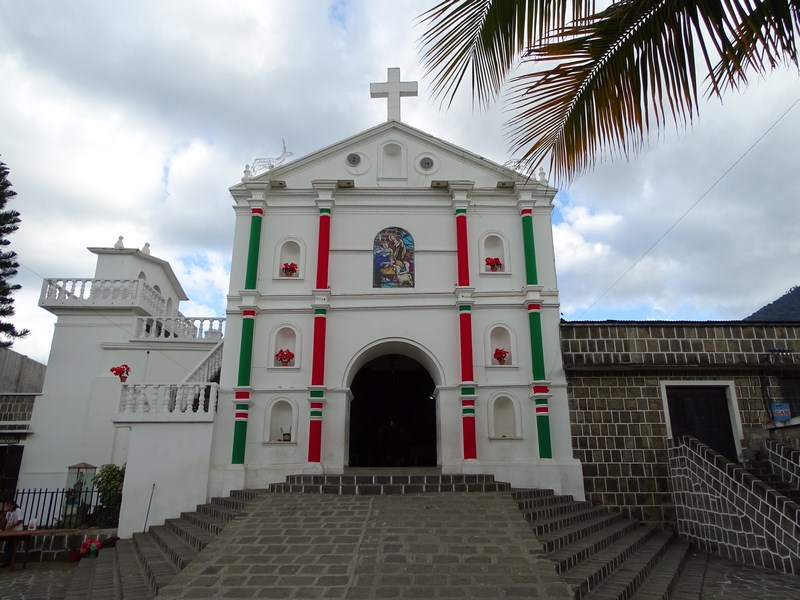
[(391, 155)]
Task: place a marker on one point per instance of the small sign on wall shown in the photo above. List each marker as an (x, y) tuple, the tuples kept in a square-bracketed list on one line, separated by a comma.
[(781, 411)]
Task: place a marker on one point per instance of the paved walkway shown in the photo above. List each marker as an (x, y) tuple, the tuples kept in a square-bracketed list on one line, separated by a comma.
[(377, 547), (38, 581)]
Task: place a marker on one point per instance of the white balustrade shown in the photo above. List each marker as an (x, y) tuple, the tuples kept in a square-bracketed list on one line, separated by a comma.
[(180, 328), (101, 292), (156, 399), (209, 368)]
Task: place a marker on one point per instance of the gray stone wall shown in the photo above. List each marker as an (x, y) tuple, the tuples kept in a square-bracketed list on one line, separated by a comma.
[(614, 374), (784, 462), (18, 373), (724, 510)]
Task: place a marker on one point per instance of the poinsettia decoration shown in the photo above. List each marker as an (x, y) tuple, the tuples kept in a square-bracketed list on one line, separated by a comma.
[(500, 354), (120, 371), (284, 356), (494, 263), (289, 269)]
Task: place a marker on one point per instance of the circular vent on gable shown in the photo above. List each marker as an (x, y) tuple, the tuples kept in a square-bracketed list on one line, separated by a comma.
[(426, 162), (353, 159)]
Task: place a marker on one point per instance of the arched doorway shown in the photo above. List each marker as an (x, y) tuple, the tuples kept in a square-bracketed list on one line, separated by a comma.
[(392, 414)]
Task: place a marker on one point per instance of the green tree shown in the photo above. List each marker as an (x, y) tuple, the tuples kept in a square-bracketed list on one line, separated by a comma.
[(9, 223), (587, 84), (108, 481)]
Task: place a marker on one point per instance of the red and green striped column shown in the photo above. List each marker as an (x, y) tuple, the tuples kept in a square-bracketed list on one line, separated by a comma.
[(242, 390), (467, 395), (317, 390), (540, 388), (323, 247)]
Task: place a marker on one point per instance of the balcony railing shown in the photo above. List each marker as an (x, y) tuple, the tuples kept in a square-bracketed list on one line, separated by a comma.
[(101, 293), (181, 328), (168, 399)]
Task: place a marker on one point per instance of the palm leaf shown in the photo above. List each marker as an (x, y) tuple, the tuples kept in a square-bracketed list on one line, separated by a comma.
[(485, 39)]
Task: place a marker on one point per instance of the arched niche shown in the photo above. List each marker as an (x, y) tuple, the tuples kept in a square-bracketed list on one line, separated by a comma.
[(494, 245), (393, 264), (280, 421), (142, 276), (290, 251), (285, 336), (505, 417), (500, 336), (392, 157)]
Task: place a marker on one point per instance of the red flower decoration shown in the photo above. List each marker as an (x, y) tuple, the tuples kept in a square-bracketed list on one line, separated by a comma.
[(500, 353), (120, 371)]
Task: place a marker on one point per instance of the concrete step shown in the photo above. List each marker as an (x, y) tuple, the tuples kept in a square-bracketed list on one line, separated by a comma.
[(216, 511), (133, 584), (569, 556), (205, 522), (526, 493), (562, 506), (541, 501), (628, 578), (589, 574), (179, 552), (190, 533), (663, 580), (387, 484), (568, 535), (568, 519), (235, 504), (157, 567)]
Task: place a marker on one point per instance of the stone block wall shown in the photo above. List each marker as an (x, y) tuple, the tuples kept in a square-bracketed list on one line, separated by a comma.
[(726, 511), (16, 407), (18, 373), (48, 547), (619, 427), (784, 461)]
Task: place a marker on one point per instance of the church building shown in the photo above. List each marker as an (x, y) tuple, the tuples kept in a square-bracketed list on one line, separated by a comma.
[(393, 303)]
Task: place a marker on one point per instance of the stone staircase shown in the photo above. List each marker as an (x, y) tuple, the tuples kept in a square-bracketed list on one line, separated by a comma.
[(761, 469), (596, 552), (599, 554)]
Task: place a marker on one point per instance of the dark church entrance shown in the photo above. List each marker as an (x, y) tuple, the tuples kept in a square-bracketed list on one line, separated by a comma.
[(392, 415), (702, 412)]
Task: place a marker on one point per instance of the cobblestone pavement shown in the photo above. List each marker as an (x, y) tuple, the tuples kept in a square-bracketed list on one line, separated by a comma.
[(38, 581), (377, 547), (708, 577)]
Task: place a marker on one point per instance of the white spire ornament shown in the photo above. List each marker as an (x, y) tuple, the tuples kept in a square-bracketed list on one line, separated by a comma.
[(119, 245)]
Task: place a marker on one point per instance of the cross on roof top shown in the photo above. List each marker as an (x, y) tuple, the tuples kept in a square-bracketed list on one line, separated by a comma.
[(393, 89)]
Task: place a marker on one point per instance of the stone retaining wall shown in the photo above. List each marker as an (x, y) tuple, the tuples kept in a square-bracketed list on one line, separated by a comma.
[(56, 547), (784, 461), (615, 372), (726, 511)]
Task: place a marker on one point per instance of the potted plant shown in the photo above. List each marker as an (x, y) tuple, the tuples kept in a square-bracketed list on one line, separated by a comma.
[(121, 371), (284, 356), (494, 264), (500, 355), (289, 269), (286, 436)]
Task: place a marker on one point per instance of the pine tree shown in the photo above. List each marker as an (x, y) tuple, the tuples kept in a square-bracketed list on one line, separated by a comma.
[(9, 223)]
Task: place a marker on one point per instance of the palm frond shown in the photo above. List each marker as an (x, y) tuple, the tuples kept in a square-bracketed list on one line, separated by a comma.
[(485, 38), (631, 68)]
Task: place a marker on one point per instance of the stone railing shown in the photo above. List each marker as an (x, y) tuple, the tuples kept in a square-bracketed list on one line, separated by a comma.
[(724, 510), (784, 462), (182, 329), (195, 401), (80, 293), (209, 369)]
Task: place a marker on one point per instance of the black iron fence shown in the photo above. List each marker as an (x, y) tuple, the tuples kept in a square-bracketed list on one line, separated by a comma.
[(62, 508)]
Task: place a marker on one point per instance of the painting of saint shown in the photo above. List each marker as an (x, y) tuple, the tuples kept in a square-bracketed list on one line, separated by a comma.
[(393, 259)]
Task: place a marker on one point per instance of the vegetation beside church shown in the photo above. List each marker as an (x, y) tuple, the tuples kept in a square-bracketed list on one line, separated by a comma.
[(9, 223), (108, 481)]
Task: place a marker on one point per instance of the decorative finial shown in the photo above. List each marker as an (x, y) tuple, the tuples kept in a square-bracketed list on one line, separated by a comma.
[(146, 248), (119, 245), (393, 90), (247, 174), (541, 176), (267, 164)]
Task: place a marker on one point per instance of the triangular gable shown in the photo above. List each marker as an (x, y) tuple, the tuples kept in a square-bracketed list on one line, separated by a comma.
[(392, 154)]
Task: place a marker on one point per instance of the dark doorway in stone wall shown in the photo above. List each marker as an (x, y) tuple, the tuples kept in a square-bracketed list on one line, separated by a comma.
[(392, 415), (702, 412)]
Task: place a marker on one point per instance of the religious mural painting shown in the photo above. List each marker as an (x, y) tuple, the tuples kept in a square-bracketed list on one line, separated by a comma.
[(393, 259)]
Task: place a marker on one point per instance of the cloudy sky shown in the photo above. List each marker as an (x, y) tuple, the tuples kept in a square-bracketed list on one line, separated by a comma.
[(133, 118)]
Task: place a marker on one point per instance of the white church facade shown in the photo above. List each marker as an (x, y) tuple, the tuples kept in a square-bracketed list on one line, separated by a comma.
[(393, 304)]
